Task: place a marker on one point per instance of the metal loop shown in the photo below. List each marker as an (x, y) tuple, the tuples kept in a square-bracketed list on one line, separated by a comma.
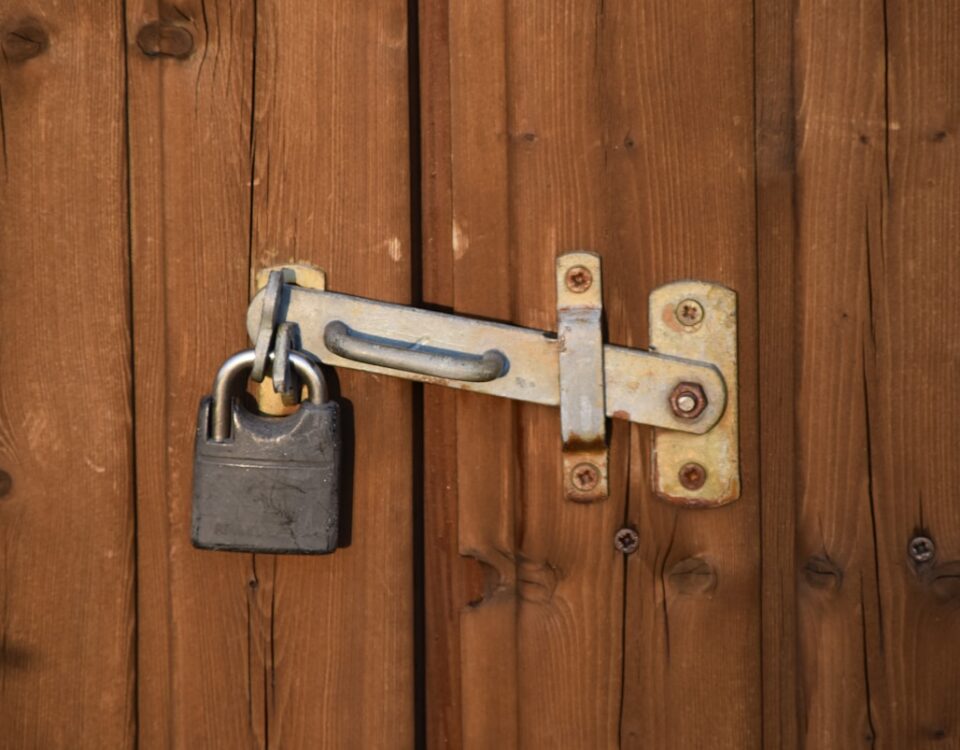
[(285, 381), (400, 355), (269, 314), (241, 362)]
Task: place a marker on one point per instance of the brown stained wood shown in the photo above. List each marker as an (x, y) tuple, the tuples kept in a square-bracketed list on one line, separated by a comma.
[(776, 361), (879, 179), (679, 130), (914, 419), (67, 611), (843, 197), (331, 188), (570, 613), (487, 491), (552, 113), (199, 627), (450, 581)]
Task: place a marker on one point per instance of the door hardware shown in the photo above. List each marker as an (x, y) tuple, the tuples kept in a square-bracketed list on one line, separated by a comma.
[(685, 385), (267, 484)]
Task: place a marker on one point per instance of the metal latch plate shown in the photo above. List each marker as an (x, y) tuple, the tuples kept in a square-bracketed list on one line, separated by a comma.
[(698, 320)]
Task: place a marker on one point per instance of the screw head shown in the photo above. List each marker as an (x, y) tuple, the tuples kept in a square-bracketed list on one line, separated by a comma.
[(585, 476), (692, 476), (921, 549), (689, 313), (626, 541), (688, 400), (578, 279)]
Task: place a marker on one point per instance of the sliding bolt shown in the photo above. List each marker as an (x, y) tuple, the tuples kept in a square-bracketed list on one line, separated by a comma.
[(578, 279), (688, 400), (689, 313), (921, 549), (626, 541)]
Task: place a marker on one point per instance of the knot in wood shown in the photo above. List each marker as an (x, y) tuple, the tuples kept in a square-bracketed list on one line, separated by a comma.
[(161, 39)]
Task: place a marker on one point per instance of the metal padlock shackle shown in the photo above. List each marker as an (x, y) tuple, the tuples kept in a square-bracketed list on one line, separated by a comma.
[(242, 362)]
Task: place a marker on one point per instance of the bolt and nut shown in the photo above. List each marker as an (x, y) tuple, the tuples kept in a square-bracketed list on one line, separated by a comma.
[(689, 313), (692, 476), (578, 279), (921, 549), (626, 541), (585, 476), (688, 400)]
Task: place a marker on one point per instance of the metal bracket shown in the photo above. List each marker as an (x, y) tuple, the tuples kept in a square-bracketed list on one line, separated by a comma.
[(685, 385)]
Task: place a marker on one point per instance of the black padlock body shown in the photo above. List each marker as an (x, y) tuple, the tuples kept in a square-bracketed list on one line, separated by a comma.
[(273, 486)]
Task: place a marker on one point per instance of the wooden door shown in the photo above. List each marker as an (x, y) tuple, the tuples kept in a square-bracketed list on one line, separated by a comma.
[(157, 154)]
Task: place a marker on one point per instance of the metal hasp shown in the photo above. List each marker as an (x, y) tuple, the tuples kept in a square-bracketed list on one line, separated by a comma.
[(685, 386)]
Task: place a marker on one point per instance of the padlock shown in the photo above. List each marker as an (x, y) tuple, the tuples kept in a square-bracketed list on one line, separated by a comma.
[(261, 483)]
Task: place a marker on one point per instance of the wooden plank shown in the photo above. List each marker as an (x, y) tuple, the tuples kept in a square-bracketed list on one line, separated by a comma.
[(776, 360), (483, 284), (545, 159), (450, 581), (842, 197), (331, 187), (67, 610), (914, 408), (680, 133), (879, 179), (190, 140)]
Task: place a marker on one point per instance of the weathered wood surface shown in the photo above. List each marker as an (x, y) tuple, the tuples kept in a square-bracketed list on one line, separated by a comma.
[(331, 187), (234, 168), (155, 156), (67, 659), (199, 627), (878, 186), (581, 126)]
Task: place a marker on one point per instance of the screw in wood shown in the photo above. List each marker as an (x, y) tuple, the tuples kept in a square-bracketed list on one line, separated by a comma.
[(585, 476), (692, 476), (921, 549), (578, 279), (626, 541), (689, 312)]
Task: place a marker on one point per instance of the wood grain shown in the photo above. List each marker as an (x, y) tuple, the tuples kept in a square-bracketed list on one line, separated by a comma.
[(878, 186), (680, 133), (842, 197), (450, 580), (67, 660), (190, 142), (775, 183), (563, 137), (331, 187), (248, 650)]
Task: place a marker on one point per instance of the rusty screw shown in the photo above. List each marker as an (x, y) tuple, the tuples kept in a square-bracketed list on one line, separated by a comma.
[(921, 549), (689, 312), (585, 476), (688, 400), (626, 541), (692, 476), (578, 279)]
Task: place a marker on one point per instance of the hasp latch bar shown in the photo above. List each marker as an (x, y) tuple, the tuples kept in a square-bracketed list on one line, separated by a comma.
[(685, 385)]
